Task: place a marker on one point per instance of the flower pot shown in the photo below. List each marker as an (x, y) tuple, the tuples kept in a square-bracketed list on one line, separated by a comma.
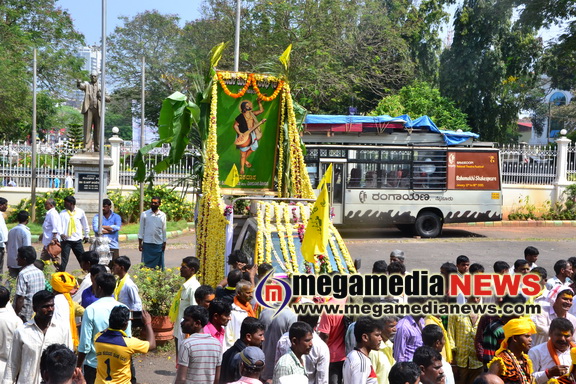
[(162, 327)]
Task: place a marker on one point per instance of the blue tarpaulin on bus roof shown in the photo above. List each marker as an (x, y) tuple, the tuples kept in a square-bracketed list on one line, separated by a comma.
[(450, 137)]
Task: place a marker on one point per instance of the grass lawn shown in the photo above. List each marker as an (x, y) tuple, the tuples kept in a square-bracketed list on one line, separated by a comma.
[(126, 229)]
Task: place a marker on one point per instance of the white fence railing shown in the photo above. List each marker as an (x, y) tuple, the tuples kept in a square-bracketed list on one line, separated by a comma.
[(528, 164)]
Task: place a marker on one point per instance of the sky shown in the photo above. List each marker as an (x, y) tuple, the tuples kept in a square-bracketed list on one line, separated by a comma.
[(87, 14)]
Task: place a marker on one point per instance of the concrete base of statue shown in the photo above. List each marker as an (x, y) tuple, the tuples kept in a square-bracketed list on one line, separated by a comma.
[(87, 181)]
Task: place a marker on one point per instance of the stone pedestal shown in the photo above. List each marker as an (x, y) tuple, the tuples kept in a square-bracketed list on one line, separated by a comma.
[(87, 181)]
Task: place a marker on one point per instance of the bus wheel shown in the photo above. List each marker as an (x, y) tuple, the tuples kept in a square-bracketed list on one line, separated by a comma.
[(428, 224)]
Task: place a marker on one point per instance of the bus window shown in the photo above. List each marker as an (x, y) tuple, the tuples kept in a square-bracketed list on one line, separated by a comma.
[(430, 169)]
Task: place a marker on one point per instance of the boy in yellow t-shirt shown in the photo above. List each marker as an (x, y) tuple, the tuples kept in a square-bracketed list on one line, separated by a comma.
[(114, 349)]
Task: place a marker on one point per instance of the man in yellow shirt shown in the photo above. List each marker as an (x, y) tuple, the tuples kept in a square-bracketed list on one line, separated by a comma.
[(114, 349)]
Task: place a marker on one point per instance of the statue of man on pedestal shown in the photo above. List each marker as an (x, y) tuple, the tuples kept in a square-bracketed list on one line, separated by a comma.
[(91, 111)]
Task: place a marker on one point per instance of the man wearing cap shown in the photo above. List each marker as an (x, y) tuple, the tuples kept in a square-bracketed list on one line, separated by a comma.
[(559, 303), (252, 363), (397, 255), (511, 361), (552, 359)]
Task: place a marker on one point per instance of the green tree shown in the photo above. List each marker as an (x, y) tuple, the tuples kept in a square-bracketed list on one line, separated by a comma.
[(419, 99), (154, 36), (26, 25), (490, 67)]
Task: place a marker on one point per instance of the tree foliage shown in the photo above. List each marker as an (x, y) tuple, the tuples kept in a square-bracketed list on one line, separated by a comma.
[(25, 25), (419, 99), (490, 67)]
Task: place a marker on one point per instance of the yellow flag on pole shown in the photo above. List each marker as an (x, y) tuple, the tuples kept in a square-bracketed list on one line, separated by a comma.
[(316, 235), (233, 177), (327, 178)]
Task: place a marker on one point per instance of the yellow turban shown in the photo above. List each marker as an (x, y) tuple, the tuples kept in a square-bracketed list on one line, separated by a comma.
[(63, 282), (520, 326)]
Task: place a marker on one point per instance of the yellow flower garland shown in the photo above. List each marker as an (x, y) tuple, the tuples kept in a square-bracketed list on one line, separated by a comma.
[(290, 237), (259, 236), (281, 146), (278, 214)]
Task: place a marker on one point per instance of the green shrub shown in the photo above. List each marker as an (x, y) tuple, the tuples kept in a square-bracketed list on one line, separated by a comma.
[(25, 204), (173, 205)]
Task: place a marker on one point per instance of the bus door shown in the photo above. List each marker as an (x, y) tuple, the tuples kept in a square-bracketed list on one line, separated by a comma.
[(335, 188)]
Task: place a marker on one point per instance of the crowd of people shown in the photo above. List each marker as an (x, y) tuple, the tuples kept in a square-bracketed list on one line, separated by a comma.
[(59, 331)]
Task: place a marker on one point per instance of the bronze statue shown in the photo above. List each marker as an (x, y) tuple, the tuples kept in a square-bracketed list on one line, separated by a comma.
[(91, 111)]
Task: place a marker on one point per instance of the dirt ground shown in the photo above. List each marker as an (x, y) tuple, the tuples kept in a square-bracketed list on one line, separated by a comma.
[(156, 367)]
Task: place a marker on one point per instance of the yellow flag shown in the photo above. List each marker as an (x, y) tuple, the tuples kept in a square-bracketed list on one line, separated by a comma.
[(316, 235), (327, 178), (285, 57), (233, 177)]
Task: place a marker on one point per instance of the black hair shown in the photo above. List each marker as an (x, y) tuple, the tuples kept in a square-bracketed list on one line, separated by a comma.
[(3, 201), (41, 297), (404, 372), (4, 296), (308, 317), (90, 257), (520, 262), (501, 266), (365, 325), (396, 267), (237, 256), (58, 363), (202, 291), (243, 106), (462, 259), (518, 299), (156, 198), (380, 266), (560, 265), (264, 268), (107, 202), (234, 276), (531, 251), (561, 324), (106, 282), (124, 262), (475, 268), (95, 270), (70, 199), (425, 356), (449, 268), (22, 216), (27, 253), (299, 329), (192, 263), (540, 271), (483, 378), (250, 326), (119, 317), (197, 313), (431, 334), (219, 307)]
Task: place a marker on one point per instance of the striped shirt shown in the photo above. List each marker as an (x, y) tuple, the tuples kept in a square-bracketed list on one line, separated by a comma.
[(287, 365), (201, 353), (358, 369)]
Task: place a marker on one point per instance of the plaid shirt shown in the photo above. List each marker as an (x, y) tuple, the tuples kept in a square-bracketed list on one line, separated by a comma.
[(30, 280), (287, 365), (463, 331)]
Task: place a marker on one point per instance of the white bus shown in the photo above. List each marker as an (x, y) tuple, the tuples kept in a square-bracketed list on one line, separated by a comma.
[(415, 188)]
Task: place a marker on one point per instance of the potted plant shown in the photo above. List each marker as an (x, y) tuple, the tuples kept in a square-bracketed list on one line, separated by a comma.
[(157, 290)]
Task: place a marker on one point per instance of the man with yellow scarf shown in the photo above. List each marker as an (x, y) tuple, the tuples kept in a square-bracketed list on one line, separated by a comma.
[(65, 309), (511, 361), (73, 230)]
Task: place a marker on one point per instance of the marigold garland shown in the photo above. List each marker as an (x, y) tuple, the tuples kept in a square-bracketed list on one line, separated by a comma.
[(290, 238), (282, 234), (259, 251), (251, 80), (281, 146)]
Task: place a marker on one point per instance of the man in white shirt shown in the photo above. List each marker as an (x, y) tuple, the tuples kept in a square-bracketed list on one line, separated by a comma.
[(531, 255), (50, 229), (186, 295), (73, 230), (357, 366), (3, 232), (30, 340), (552, 358), (559, 304), (18, 236), (8, 324), (152, 235), (126, 291)]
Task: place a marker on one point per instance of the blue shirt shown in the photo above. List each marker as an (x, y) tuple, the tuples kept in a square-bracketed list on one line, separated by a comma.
[(115, 222), (88, 297), (94, 321)]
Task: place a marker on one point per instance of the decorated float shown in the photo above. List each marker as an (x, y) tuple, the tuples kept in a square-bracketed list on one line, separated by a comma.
[(251, 150)]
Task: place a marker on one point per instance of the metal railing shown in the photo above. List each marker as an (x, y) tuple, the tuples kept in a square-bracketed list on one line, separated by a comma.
[(528, 164), (571, 166), (53, 164)]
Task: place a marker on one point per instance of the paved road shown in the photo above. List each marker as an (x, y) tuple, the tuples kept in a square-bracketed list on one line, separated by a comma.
[(482, 244)]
